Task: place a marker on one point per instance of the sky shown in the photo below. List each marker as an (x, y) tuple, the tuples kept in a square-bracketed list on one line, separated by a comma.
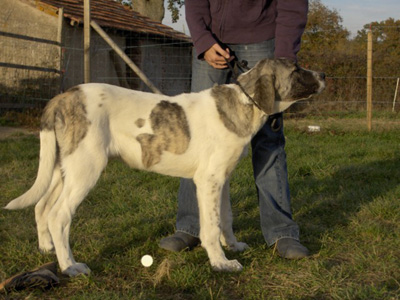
[(355, 13)]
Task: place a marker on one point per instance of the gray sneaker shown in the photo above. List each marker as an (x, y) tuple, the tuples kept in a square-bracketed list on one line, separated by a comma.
[(179, 241), (291, 249)]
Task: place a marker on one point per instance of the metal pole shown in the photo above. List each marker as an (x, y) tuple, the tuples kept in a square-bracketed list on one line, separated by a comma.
[(125, 57), (369, 81), (395, 93), (86, 41)]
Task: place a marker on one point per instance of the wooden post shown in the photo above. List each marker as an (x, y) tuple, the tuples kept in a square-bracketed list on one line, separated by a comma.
[(369, 81), (395, 93), (60, 43), (125, 57), (86, 41)]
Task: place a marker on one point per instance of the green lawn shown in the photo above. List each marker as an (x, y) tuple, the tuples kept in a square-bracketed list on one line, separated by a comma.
[(345, 196)]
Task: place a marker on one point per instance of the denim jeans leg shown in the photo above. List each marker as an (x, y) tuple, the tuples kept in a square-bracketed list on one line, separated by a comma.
[(269, 163), (187, 219), (270, 174), (203, 77)]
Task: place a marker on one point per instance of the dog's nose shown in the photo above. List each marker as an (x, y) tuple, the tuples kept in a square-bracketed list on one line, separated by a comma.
[(322, 75)]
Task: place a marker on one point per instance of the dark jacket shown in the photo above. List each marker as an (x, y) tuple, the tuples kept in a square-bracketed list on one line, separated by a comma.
[(247, 22)]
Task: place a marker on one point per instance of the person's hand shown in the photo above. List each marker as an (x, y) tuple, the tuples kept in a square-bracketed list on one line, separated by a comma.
[(215, 56)]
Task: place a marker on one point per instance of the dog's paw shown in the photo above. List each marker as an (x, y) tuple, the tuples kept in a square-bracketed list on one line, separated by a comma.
[(238, 247), (227, 266), (77, 269), (46, 248)]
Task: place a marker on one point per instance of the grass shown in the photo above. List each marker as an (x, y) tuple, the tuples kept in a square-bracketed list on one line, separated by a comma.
[(345, 197)]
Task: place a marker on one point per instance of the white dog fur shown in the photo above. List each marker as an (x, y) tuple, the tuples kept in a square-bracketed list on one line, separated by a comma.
[(198, 135)]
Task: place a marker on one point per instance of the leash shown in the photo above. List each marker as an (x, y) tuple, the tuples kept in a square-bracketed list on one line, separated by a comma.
[(273, 119), (242, 65)]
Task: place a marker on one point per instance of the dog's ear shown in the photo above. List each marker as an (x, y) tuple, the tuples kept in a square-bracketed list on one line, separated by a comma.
[(264, 93)]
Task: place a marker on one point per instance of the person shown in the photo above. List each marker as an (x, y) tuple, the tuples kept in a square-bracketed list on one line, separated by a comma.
[(245, 30)]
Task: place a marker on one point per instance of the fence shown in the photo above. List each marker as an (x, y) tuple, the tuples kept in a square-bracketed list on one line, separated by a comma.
[(46, 57), (29, 70), (32, 71)]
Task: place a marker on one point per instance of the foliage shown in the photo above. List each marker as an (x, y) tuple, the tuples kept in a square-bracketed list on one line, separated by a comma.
[(324, 29), (344, 187), (323, 36), (174, 7), (386, 45), (327, 46)]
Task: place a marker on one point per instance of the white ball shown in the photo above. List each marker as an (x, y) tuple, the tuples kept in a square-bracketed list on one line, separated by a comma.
[(146, 260)]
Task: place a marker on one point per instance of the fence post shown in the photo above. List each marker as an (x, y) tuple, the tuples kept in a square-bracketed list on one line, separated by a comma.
[(395, 93), (86, 41), (60, 43), (369, 81)]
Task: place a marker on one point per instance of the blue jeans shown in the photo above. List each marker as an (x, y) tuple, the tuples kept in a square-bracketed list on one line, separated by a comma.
[(268, 157)]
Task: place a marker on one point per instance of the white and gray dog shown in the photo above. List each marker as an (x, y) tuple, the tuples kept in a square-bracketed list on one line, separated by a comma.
[(197, 135)]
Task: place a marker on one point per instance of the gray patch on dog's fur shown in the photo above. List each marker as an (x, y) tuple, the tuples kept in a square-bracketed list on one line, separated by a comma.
[(248, 79), (304, 84), (264, 94), (140, 122), (170, 133), (66, 115), (236, 116)]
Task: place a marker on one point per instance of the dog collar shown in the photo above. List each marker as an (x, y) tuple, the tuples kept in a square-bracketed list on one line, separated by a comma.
[(242, 65)]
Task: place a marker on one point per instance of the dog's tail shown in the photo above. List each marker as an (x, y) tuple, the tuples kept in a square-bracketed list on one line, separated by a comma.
[(48, 153)]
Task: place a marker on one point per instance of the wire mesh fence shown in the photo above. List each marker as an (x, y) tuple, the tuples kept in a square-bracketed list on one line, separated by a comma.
[(29, 70), (34, 69), (348, 94)]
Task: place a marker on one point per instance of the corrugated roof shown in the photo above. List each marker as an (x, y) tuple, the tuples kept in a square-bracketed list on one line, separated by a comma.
[(108, 13)]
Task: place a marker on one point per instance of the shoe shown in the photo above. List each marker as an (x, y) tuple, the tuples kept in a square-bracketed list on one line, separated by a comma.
[(291, 249), (179, 241)]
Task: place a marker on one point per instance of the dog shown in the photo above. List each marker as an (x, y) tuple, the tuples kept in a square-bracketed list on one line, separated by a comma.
[(195, 135)]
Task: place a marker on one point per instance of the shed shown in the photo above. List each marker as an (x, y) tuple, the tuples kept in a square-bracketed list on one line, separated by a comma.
[(33, 65)]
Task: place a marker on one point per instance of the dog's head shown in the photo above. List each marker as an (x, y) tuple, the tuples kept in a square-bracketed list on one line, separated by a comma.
[(275, 84)]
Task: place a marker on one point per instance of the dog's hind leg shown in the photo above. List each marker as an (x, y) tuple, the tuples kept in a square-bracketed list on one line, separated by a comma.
[(228, 238), (209, 189), (81, 172), (43, 208)]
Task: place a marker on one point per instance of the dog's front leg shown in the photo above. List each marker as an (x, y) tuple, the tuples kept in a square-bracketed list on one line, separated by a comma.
[(228, 238), (209, 189)]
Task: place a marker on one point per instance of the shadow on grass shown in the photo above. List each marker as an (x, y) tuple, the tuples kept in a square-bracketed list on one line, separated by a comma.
[(333, 201), (320, 205)]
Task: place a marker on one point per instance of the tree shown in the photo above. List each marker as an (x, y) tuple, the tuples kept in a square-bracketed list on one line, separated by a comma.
[(324, 29), (325, 39), (385, 56), (174, 7), (386, 44), (325, 47)]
